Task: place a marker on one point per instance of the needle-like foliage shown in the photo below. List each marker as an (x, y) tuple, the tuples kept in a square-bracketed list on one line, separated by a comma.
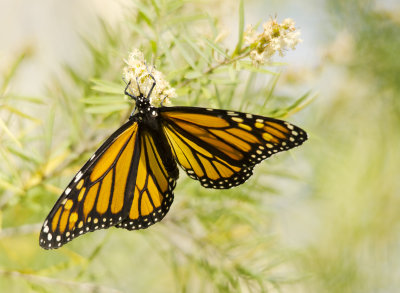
[(211, 241)]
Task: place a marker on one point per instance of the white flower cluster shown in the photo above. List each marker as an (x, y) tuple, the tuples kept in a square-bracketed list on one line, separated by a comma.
[(274, 38), (138, 74)]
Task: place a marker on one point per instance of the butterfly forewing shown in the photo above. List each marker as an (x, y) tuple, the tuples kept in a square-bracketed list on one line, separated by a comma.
[(220, 148), (96, 198)]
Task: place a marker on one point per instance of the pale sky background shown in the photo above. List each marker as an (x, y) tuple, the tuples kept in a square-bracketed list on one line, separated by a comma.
[(52, 29)]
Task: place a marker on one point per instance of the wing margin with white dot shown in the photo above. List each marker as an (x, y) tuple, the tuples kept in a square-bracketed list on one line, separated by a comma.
[(95, 198), (219, 147)]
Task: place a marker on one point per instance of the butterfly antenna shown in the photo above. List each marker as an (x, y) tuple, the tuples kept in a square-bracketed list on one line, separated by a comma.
[(137, 83), (154, 81), (132, 96)]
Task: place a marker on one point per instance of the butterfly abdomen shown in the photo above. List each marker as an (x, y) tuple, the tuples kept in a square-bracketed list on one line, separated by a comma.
[(150, 122)]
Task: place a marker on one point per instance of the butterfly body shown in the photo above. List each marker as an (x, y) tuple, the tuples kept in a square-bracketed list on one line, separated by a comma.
[(150, 124), (129, 181)]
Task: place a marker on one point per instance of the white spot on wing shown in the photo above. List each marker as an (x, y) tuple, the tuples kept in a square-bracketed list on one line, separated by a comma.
[(231, 113), (78, 176), (290, 126), (67, 191)]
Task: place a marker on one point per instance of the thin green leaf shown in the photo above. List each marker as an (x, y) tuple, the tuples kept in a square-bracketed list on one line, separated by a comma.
[(186, 55), (9, 133), (21, 114), (300, 103), (277, 64), (247, 65), (110, 36), (30, 99), (182, 19), (137, 28), (106, 108), (240, 29), (270, 88), (49, 132), (27, 52), (215, 47), (173, 6), (156, 6), (193, 75), (24, 155), (144, 12), (75, 76), (217, 96), (106, 99), (199, 51), (106, 87), (226, 81), (247, 90), (10, 186)]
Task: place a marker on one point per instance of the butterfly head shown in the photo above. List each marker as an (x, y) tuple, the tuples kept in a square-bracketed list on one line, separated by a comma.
[(144, 110)]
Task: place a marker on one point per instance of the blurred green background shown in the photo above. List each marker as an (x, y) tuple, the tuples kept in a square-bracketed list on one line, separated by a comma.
[(321, 218)]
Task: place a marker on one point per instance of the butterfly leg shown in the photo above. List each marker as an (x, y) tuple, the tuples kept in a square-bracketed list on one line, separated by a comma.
[(132, 96), (126, 90), (162, 102)]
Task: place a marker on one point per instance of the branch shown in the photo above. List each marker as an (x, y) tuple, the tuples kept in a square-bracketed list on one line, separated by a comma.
[(224, 62)]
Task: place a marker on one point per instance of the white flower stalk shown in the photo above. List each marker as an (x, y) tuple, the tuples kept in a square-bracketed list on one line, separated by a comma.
[(274, 38), (138, 74)]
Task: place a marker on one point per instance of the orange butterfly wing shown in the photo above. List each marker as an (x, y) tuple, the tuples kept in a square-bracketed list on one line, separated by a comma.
[(220, 148)]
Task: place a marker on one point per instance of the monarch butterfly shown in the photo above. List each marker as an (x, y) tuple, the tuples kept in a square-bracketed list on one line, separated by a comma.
[(129, 181)]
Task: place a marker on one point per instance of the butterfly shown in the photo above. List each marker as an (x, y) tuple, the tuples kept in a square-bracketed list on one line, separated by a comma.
[(129, 181)]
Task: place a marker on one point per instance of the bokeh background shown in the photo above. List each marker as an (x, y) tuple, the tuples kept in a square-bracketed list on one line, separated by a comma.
[(324, 217)]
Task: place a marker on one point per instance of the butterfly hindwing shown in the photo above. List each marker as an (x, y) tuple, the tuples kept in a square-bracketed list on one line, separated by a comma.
[(220, 148), (157, 173), (96, 196)]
